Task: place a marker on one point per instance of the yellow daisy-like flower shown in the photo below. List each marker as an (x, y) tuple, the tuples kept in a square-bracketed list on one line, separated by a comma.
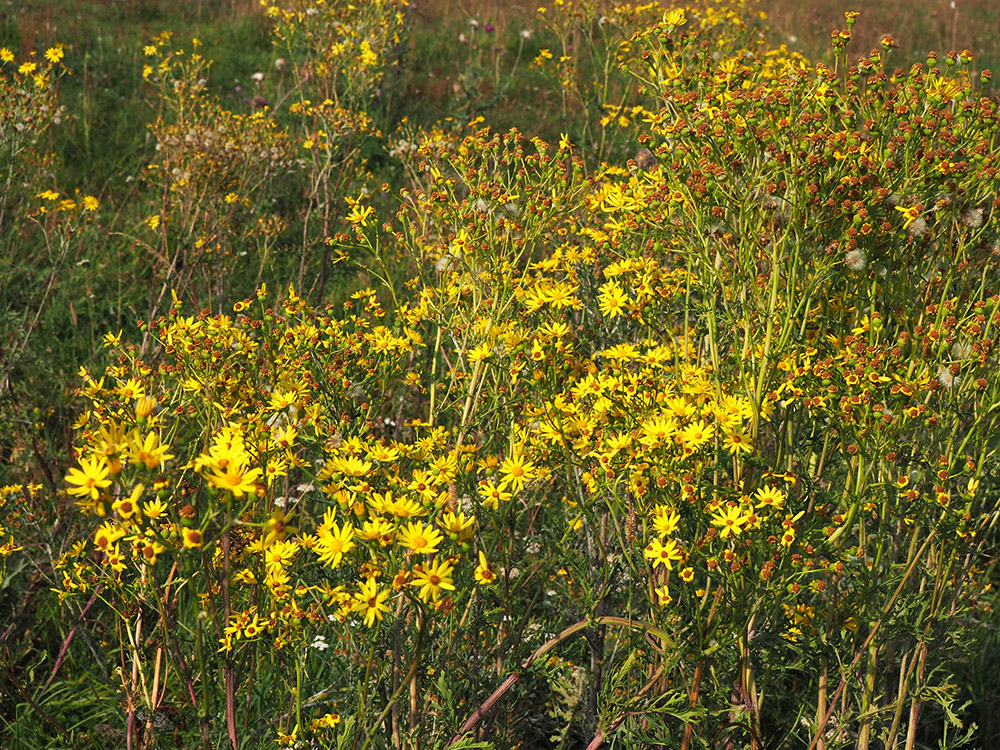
[(770, 497), (235, 478), (359, 215), (280, 554), (150, 453), (376, 528), (612, 300), (6, 55), (334, 541), (90, 478), (433, 580), (484, 572), (730, 521), (663, 554), (516, 471), (480, 353), (54, 54), (107, 534), (665, 520), (127, 507), (458, 527), (371, 601), (737, 441), (193, 538), (663, 597), (493, 495), (696, 434), (154, 509), (420, 539)]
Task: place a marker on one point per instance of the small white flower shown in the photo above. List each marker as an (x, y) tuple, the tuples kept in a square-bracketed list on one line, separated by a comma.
[(258, 76), (319, 643), (280, 63), (474, 23), (525, 34), (463, 39)]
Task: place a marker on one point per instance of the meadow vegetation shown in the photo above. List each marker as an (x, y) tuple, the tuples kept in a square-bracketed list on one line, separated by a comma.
[(608, 375)]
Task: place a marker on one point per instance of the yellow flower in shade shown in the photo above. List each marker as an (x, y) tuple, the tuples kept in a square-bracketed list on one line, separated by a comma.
[(730, 521), (111, 443), (278, 527), (333, 541), (420, 539), (193, 538), (90, 478), (371, 601), (787, 537), (770, 497), (433, 580), (484, 572), (663, 554), (687, 574)]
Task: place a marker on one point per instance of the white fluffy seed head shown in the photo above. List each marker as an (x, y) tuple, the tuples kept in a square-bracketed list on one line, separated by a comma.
[(856, 260)]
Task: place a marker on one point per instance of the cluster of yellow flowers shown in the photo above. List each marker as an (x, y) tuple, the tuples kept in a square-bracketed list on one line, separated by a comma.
[(710, 370)]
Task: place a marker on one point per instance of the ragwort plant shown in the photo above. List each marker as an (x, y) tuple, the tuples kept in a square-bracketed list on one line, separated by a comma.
[(728, 414)]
